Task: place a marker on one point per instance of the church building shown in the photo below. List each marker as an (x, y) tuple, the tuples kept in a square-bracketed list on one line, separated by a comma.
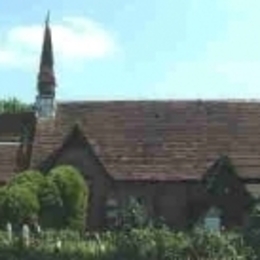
[(182, 160)]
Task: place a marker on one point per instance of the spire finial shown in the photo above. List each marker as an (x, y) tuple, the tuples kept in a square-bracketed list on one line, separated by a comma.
[(47, 20)]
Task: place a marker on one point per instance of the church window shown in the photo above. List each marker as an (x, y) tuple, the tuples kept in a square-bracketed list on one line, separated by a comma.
[(212, 219)]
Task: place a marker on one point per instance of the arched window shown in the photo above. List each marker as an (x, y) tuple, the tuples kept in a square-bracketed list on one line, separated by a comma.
[(212, 219)]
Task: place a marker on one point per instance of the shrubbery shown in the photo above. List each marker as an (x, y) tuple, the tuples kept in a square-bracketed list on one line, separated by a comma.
[(131, 215), (57, 200), (50, 214), (135, 244), (153, 244), (73, 193), (30, 179), (18, 204), (251, 231)]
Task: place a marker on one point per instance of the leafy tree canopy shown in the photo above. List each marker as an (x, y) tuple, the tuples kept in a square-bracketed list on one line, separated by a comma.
[(32, 179), (13, 105), (18, 205), (74, 193)]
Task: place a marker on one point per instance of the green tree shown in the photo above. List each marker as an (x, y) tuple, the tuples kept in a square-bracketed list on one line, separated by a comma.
[(18, 204), (46, 192), (51, 205), (13, 105), (74, 194), (32, 179)]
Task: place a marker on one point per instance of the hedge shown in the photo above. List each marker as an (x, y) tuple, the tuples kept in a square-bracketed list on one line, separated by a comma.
[(137, 244)]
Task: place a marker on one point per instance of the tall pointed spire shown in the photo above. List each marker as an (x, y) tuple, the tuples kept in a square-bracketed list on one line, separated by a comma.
[(45, 100), (46, 77)]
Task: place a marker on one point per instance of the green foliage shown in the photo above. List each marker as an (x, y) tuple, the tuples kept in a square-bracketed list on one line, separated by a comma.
[(137, 244), (153, 244), (31, 179), (132, 215), (13, 105), (209, 245), (51, 205), (18, 204), (57, 200), (252, 229), (74, 193)]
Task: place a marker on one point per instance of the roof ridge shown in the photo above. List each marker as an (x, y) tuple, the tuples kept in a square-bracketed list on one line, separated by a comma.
[(161, 101)]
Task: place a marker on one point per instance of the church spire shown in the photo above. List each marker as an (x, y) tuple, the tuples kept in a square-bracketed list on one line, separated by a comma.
[(46, 77), (45, 100)]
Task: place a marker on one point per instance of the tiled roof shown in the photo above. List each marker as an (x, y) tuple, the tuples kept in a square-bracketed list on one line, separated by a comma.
[(159, 140), (12, 124), (13, 127), (9, 160)]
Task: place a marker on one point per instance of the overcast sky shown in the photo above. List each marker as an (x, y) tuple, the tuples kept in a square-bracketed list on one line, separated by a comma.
[(134, 49)]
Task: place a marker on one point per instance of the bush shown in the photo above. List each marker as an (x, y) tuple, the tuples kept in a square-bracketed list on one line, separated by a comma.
[(209, 245), (136, 244), (252, 229), (153, 244), (74, 193), (30, 178), (50, 214), (132, 215), (18, 205), (57, 200)]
